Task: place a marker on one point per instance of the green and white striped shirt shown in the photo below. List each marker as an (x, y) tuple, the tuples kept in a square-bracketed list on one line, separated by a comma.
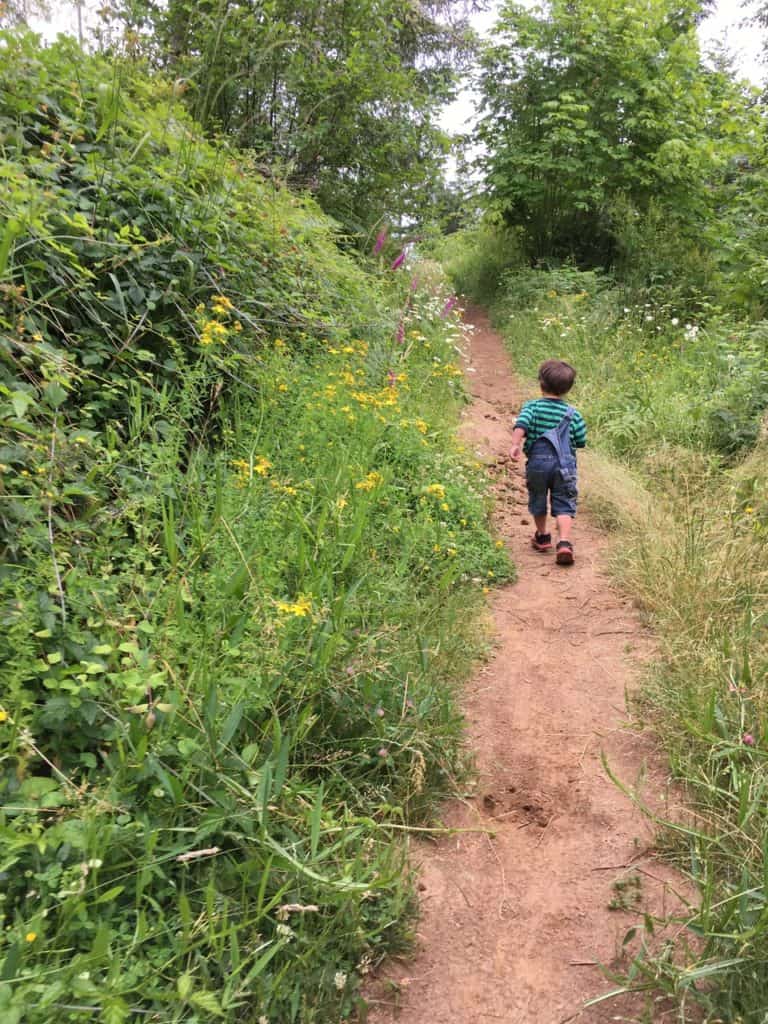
[(542, 414)]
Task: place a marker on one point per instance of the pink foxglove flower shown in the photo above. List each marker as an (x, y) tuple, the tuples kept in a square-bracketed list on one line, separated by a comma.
[(398, 261), (380, 242), (449, 304)]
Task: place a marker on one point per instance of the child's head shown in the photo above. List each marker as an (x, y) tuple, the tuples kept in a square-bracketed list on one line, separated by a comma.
[(556, 377)]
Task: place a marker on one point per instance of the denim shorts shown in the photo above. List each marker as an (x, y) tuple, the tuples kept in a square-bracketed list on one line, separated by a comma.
[(542, 477)]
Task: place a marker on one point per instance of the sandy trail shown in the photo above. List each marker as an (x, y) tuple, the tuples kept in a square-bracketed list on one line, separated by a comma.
[(513, 928)]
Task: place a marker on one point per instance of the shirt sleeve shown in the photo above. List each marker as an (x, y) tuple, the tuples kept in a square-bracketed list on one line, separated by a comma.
[(525, 418), (578, 431)]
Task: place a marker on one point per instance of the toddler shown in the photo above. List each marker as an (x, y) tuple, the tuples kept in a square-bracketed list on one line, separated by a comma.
[(552, 430)]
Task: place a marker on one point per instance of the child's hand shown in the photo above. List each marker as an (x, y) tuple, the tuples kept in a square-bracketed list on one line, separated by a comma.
[(515, 452)]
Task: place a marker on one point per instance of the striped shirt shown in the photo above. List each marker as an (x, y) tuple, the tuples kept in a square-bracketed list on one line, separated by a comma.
[(542, 414)]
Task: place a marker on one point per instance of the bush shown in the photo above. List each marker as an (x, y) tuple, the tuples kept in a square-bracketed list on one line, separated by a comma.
[(476, 258)]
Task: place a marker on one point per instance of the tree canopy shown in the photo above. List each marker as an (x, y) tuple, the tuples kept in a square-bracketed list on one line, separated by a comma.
[(588, 102), (344, 95)]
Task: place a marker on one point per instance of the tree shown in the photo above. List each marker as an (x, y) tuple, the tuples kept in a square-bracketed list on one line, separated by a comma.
[(585, 102), (343, 93)]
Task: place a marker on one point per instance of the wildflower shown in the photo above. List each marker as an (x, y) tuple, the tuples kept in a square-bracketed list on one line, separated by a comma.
[(279, 343), (380, 242), (3, 716), (675, 321), (383, 752), (391, 378), (691, 332), (749, 510), (436, 490), (285, 931), (370, 482), (380, 712), (30, 936), (340, 980), (261, 465), (398, 261), (748, 739), (449, 304), (300, 608)]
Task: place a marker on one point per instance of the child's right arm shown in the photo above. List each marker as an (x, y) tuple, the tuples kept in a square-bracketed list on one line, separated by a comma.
[(518, 435)]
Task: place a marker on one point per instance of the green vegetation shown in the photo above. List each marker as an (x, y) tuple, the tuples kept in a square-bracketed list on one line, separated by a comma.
[(239, 545), (344, 96)]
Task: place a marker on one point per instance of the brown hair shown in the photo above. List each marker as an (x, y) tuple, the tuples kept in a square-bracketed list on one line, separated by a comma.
[(556, 377)]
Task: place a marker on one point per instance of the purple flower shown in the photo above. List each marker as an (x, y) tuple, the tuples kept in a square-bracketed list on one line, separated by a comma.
[(398, 261), (449, 304), (383, 752), (381, 239), (748, 739)]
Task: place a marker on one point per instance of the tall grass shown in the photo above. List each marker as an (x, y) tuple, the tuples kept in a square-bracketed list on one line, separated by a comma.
[(673, 410)]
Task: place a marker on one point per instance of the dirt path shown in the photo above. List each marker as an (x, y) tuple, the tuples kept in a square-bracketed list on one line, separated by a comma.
[(513, 927)]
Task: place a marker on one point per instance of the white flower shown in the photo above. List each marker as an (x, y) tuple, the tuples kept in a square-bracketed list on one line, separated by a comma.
[(339, 980), (675, 321), (284, 931)]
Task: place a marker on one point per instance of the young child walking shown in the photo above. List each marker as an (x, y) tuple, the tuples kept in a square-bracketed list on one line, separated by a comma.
[(552, 430)]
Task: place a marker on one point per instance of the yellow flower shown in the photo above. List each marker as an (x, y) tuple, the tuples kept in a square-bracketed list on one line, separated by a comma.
[(370, 482), (3, 716), (436, 490), (282, 387), (279, 343), (261, 465), (300, 608), (30, 936), (749, 510)]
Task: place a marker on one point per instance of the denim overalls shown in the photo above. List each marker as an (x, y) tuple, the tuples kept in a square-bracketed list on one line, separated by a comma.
[(551, 468)]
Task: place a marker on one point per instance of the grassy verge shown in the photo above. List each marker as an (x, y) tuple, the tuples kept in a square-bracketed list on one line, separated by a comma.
[(240, 555), (674, 411)]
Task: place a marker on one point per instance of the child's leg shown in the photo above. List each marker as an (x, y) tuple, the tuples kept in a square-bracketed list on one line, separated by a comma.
[(564, 527), (541, 523)]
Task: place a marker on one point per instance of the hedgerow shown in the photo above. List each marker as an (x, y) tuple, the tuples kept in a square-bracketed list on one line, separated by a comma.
[(240, 553)]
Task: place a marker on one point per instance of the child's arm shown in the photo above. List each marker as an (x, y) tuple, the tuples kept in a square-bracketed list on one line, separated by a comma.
[(517, 442)]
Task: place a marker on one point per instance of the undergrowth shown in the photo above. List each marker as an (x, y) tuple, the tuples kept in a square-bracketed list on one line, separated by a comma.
[(674, 410), (241, 554)]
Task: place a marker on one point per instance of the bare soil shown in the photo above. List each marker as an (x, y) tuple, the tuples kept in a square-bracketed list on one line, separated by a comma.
[(518, 927)]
